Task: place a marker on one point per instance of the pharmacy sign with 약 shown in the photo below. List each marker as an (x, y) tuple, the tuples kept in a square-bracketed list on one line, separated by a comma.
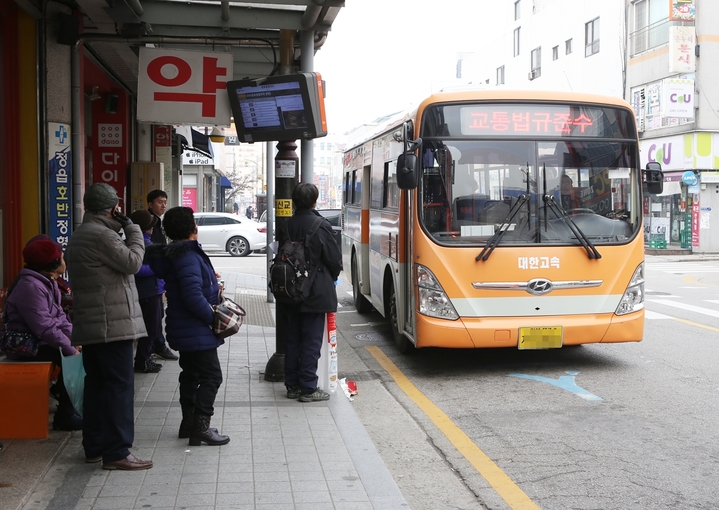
[(183, 87)]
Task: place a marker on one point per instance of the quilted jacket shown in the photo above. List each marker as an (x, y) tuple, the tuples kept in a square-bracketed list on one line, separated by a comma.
[(102, 267), (191, 289)]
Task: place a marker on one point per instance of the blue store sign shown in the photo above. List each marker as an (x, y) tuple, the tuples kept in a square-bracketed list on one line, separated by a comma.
[(690, 178)]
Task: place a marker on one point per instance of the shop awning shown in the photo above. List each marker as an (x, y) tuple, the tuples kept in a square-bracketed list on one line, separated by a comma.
[(671, 188), (225, 182)]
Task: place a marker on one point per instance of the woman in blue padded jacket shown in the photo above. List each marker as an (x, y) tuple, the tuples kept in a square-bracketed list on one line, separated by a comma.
[(191, 288)]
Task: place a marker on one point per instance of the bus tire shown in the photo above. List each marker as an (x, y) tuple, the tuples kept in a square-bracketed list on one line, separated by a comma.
[(404, 345), (360, 302)]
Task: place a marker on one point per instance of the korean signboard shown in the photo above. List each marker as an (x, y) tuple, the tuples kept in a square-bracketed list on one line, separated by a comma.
[(682, 10), (183, 87), (59, 189), (681, 49)]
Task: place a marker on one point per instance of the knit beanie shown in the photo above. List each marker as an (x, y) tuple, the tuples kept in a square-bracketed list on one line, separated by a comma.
[(99, 197), (41, 253), (144, 219)]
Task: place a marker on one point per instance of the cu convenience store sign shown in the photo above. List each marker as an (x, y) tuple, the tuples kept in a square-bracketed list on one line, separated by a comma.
[(183, 87)]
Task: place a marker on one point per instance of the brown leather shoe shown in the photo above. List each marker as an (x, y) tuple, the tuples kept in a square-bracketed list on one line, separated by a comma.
[(129, 463)]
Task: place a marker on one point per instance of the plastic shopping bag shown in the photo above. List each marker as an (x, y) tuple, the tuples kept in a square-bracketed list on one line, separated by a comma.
[(73, 375)]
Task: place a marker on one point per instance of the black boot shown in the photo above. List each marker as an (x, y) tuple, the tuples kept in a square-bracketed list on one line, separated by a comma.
[(186, 423), (201, 431)]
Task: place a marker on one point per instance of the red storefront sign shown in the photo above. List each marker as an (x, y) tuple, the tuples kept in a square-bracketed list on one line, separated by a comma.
[(108, 135), (162, 136)]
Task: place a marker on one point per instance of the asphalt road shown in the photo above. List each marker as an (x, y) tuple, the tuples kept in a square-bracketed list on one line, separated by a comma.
[(616, 426)]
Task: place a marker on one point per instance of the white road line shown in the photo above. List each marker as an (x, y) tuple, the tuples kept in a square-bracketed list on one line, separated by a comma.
[(691, 308), (649, 315)]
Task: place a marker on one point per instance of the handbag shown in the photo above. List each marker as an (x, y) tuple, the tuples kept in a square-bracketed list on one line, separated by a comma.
[(228, 317), (19, 343)]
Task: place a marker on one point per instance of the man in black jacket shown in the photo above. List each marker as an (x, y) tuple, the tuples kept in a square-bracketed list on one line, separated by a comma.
[(306, 320), (156, 205)]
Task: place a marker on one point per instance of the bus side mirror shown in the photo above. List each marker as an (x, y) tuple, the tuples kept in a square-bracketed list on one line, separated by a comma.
[(407, 171), (654, 178), (407, 165)]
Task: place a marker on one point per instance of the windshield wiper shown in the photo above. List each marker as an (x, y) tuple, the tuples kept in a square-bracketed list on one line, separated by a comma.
[(494, 240), (562, 214)]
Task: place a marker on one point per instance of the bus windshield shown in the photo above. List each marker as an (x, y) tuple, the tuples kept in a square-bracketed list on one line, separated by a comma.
[(532, 189)]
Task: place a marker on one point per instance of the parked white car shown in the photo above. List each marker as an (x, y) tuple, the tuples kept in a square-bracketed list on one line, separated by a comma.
[(232, 233)]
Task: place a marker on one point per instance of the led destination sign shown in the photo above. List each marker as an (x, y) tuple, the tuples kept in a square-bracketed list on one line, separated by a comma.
[(535, 120)]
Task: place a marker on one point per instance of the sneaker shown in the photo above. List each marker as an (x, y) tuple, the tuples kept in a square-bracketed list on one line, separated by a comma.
[(316, 396), (293, 392), (166, 354), (150, 367)]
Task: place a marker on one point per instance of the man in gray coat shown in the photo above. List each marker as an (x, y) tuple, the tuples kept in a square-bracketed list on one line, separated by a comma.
[(107, 320)]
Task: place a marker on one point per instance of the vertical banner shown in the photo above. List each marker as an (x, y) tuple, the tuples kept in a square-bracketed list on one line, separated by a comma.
[(189, 198), (681, 50), (110, 145), (59, 188), (695, 221)]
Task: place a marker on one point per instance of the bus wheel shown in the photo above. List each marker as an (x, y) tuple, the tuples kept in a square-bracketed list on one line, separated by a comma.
[(404, 345), (361, 303)]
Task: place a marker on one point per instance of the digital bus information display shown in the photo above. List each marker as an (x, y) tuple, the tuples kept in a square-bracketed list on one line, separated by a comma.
[(272, 106), (533, 120), (278, 108)]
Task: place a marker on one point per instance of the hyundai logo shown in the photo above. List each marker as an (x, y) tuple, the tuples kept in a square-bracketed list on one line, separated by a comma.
[(539, 286)]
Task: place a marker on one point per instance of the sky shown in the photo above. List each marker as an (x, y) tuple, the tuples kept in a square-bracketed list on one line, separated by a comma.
[(385, 56)]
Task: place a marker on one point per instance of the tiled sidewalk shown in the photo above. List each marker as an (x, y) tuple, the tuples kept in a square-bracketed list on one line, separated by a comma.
[(282, 455)]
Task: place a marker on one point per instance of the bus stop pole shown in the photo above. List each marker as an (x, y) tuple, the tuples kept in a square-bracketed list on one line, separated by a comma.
[(286, 178)]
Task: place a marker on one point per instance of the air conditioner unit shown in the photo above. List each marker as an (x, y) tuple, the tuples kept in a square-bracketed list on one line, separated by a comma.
[(532, 74)]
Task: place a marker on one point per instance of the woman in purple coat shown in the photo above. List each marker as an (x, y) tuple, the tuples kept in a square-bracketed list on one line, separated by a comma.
[(34, 304)]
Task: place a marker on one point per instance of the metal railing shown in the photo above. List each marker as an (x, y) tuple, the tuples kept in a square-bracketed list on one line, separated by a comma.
[(651, 36)]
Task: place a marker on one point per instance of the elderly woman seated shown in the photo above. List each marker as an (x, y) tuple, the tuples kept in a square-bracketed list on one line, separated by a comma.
[(34, 306)]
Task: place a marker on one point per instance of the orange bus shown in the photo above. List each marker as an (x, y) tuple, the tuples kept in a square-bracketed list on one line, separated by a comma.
[(500, 219)]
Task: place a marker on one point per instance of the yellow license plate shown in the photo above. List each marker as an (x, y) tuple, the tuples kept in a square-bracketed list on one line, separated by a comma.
[(543, 337)]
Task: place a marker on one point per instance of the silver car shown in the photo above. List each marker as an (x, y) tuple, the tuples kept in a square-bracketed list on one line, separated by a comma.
[(232, 233)]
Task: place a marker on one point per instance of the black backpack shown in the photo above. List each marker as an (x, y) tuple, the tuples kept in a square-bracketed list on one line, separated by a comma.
[(290, 277)]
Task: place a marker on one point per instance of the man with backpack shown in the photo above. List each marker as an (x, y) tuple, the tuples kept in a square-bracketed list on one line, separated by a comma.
[(306, 314)]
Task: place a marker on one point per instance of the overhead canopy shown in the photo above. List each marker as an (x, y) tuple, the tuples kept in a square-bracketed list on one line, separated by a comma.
[(250, 30), (225, 182), (199, 142)]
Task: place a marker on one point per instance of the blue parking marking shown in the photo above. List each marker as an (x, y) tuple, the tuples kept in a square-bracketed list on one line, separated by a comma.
[(565, 382)]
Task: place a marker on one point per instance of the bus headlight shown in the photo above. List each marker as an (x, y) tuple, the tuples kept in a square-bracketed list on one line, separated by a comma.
[(433, 301), (633, 298)]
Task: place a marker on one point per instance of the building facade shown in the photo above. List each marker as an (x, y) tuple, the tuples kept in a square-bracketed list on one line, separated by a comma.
[(659, 55), (673, 49), (553, 45)]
